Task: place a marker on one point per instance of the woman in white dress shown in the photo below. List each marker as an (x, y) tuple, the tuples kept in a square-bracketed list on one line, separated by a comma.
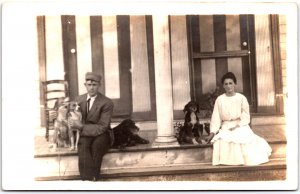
[(234, 143)]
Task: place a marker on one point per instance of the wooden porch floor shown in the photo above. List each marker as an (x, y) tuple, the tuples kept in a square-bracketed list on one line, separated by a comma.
[(272, 134)]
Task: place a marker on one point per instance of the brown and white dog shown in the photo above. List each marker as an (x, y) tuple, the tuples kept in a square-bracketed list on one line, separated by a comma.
[(191, 131), (61, 136), (75, 115)]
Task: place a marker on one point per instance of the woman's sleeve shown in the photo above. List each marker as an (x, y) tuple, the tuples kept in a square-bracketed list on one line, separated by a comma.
[(245, 114), (215, 122)]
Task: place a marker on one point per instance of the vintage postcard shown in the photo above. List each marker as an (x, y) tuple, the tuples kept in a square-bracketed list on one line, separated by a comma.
[(160, 95)]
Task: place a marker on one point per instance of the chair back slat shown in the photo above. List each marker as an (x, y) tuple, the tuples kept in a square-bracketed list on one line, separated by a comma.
[(53, 90)]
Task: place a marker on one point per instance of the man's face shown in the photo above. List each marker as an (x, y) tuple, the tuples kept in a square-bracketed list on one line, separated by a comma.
[(92, 87)]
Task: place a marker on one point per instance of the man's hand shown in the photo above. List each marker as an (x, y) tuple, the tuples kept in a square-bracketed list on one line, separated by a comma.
[(52, 115), (75, 124), (209, 137)]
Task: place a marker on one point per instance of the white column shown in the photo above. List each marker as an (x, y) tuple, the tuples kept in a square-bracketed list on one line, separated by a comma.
[(163, 81)]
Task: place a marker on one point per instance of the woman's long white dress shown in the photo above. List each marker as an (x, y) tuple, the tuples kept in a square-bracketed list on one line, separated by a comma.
[(239, 146)]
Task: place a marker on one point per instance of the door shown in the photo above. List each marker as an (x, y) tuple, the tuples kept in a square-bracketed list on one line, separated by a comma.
[(222, 43)]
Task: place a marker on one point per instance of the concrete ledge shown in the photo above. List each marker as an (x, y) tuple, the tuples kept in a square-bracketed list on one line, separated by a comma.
[(67, 165), (275, 169)]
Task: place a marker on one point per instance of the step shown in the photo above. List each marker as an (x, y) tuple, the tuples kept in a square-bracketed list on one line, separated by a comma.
[(275, 169), (63, 164), (66, 165)]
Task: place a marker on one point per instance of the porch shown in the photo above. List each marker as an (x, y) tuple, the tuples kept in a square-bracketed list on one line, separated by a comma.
[(168, 163)]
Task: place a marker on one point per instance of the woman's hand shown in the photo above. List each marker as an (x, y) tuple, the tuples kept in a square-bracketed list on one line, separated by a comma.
[(209, 137), (233, 128)]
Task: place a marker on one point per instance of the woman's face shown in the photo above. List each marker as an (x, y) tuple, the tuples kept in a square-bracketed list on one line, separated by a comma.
[(229, 86)]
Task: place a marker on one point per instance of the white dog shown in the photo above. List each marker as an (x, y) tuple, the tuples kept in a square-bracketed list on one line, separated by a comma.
[(75, 115)]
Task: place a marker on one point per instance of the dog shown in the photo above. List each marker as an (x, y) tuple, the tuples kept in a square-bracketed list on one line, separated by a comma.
[(126, 135), (75, 115), (191, 131), (60, 136)]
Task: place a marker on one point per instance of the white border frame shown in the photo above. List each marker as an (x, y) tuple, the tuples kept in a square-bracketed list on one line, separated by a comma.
[(19, 73)]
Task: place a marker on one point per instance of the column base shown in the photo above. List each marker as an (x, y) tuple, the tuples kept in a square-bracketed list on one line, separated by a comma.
[(165, 142)]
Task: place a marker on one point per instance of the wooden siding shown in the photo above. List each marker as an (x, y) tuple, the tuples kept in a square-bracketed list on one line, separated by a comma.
[(282, 37), (265, 71)]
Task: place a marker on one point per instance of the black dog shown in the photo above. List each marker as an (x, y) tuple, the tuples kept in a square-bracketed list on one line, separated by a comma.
[(126, 135), (191, 131)]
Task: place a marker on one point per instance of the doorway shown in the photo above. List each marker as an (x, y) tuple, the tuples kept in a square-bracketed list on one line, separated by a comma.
[(218, 44)]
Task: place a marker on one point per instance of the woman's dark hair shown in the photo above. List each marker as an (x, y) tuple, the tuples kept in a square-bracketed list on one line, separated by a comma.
[(229, 75)]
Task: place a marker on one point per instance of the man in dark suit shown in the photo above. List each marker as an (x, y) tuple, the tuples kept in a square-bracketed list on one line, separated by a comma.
[(96, 134)]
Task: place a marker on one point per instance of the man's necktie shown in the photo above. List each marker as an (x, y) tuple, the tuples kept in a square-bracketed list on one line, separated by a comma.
[(88, 106)]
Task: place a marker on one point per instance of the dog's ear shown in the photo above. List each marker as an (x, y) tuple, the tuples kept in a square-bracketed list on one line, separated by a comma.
[(198, 108), (55, 107), (127, 122), (186, 108)]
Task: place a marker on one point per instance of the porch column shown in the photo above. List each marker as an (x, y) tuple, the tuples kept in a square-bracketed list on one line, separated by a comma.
[(163, 81)]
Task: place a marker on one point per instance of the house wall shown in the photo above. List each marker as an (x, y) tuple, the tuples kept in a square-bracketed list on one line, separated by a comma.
[(282, 38), (139, 48)]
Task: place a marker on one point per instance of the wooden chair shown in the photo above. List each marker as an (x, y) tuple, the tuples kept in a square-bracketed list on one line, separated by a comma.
[(53, 91)]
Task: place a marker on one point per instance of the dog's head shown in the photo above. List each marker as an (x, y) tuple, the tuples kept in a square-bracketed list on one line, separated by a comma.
[(192, 106), (62, 106), (130, 125), (61, 102), (74, 106)]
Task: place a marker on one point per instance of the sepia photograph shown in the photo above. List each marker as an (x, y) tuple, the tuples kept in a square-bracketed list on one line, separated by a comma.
[(149, 96)]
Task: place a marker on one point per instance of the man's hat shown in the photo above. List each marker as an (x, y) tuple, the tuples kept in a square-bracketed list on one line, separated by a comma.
[(92, 76)]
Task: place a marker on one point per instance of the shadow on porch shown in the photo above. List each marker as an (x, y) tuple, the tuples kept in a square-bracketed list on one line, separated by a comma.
[(181, 163)]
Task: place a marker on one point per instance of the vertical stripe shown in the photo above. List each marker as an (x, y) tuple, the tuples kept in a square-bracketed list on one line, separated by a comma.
[(265, 71), (83, 41), (139, 65), (150, 49), (234, 44), (233, 32), (70, 53), (208, 75), (220, 45), (97, 48), (54, 55), (235, 66), (111, 61), (206, 33), (42, 63), (180, 66), (208, 67), (196, 70), (247, 34), (123, 34), (274, 20), (54, 46)]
